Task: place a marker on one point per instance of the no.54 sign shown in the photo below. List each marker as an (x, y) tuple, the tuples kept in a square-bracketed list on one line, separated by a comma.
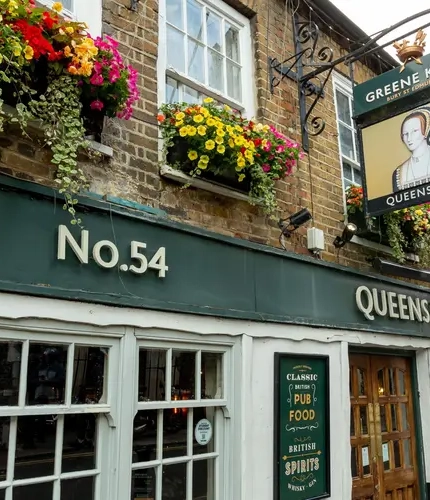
[(140, 265)]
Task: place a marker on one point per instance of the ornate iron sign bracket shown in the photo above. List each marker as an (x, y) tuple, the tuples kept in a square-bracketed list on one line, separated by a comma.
[(307, 55)]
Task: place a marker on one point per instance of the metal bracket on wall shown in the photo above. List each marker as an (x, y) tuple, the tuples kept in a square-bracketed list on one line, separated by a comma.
[(307, 55), (134, 4)]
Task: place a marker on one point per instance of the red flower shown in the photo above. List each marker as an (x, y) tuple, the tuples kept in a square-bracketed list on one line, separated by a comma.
[(34, 37), (257, 142), (49, 21)]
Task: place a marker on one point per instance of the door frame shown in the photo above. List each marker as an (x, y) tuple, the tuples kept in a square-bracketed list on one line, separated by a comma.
[(411, 354)]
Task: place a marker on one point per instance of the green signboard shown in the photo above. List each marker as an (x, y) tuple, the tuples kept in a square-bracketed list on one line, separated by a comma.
[(392, 86), (302, 438)]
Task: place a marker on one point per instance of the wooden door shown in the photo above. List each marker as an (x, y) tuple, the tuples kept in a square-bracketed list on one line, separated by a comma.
[(383, 448)]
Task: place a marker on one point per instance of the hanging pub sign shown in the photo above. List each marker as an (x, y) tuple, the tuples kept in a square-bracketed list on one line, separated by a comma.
[(302, 438), (392, 112)]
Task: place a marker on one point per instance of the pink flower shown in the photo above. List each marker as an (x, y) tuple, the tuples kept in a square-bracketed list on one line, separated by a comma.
[(114, 75), (268, 146), (97, 105), (97, 79), (280, 149), (266, 167)]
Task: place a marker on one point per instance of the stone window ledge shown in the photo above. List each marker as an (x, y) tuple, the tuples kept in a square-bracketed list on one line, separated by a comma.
[(381, 248), (182, 178), (37, 126)]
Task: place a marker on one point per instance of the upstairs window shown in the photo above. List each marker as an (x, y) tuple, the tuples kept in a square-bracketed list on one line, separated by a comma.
[(347, 134), (85, 11), (207, 51)]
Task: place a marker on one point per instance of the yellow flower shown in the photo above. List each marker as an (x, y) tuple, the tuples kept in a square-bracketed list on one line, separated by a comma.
[(219, 125), (192, 130), (72, 70), (208, 100), (204, 158), (221, 149), (220, 133), (248, 155), (12, 5), (209, 144), (210, 122), (192, 155), (229, 129), (241, 162), (28, 53), (180, 116), (419, 212), (227, 108), (86, 68), (231, 143), (183, 131), (201, 130), (202, 165), (204, 112), (57, 7), (238, 128), (17, 50), (239, 141), (179, 123), (198, 118), (70, 30), (67, 51), (241, 177), (219, 140)]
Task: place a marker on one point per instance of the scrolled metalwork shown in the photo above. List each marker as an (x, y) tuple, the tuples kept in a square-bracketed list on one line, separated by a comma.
[(307, 31), (325, 54), (315, 126)]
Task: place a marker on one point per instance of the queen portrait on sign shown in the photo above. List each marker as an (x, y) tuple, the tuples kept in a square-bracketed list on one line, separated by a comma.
[(414, 132)]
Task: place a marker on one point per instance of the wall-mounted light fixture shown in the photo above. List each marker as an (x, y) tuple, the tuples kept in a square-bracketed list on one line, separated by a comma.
[(134, 4), (347, 234), (290, 224)]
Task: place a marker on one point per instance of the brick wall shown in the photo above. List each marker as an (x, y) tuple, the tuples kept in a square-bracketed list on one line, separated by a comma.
[(133, 172)]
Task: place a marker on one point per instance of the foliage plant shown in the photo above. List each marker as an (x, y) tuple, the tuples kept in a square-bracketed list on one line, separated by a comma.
[(219, 140), (408, 229), (53, 71)]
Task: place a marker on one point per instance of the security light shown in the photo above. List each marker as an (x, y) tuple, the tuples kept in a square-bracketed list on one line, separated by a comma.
[(293, 222), (347, 234)]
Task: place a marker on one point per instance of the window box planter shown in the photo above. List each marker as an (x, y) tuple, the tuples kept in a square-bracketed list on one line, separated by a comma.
[(374, 229), (217, 145)]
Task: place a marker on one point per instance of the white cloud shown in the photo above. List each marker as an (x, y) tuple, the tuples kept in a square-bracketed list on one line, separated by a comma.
[(375, 15)]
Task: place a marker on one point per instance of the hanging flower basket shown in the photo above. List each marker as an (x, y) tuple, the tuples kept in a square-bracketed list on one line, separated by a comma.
[(216, 143), (51, 70)]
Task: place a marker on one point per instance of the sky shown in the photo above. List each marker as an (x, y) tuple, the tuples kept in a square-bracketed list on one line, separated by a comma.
[(375, 15)]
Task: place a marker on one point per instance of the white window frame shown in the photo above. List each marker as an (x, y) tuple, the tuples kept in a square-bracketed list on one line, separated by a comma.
[(85, 11), (105, 441), (247, 104), (345, 86), (223, 480)]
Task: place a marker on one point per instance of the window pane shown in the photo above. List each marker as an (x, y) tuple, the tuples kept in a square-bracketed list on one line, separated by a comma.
[(36, 446), (194, 19), (343, 112), (190, 95), (145, 436), (195, 61), (234, 81), (2, 494), (347, 171), (404, 416), (172, 90), (354, 467), (40, 491), (352, 422), (175, 425), (4, 446), (174, 13), (407, 453), (216, 70), (346, 144), (391, 381), (203, 430), (401, 376), (211, 375), (10, 365), (357, 176), (68, 5), (203, 479), (175, 49), (363, 419), (143, 484), (79, 442), (90, 365), (394, 426), (80, 488), (232, 42), (174, 483), (397, 461), (46, 374), (152, 375), (213, 26), (183, 375)]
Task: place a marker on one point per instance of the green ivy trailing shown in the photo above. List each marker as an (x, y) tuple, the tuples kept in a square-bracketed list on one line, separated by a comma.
[(60, 110)]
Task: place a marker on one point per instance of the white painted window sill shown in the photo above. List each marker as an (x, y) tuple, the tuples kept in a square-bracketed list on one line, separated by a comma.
[(178, 176), (38, 126), (381, 248)]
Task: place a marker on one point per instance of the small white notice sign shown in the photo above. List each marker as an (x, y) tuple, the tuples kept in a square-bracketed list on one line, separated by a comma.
[(365, 456), (385, 453), (203, 431)]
